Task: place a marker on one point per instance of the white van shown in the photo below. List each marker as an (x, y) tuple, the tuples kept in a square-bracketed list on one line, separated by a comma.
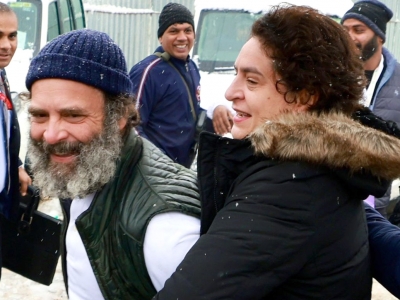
[(39, 21), (222, 27)]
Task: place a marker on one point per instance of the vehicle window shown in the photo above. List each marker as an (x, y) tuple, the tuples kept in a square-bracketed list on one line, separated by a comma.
[(78, 14), (223, 33), (66, 16), (28, 25), (53, 22)]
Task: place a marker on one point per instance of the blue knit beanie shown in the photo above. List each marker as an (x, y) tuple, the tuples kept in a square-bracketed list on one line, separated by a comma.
[(86, 56), (372, 13)]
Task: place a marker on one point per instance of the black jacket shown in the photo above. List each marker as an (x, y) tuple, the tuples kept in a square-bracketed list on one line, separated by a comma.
[(9, 201), (282, 212)]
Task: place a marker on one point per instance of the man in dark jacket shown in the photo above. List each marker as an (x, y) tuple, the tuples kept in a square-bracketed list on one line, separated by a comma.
[(366, 23), (126, 228), (384, 244), (11, 171), (167, 87)]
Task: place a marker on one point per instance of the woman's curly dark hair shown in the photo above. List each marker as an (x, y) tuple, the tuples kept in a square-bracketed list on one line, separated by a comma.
[(312, 53)]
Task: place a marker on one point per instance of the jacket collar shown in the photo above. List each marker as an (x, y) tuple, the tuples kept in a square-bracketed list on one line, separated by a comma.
[(176, 61), (364, 159), (331, 140)]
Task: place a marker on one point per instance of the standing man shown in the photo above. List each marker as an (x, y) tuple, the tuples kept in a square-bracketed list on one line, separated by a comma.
[(167, 86), (126, 228), (366, 23), (11, 171)]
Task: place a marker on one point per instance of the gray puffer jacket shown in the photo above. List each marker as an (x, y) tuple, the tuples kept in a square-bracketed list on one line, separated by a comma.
[(386, 104)]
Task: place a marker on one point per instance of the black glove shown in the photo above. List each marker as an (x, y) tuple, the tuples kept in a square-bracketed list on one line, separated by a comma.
[(367, 118)]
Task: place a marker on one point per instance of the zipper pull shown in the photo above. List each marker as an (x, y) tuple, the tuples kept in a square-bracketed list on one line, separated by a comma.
[(187, 69)]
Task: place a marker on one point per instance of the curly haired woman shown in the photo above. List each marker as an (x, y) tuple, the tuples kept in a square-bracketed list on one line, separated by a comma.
[(282, 209)]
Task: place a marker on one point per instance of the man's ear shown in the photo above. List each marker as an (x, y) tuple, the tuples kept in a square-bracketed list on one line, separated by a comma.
[(122, 123), (160, 40)]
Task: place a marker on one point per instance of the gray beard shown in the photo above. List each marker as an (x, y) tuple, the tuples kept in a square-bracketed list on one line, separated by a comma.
[(94, 166)]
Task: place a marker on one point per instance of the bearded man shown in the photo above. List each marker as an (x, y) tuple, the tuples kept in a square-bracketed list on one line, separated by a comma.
[(366, 23), (121, 197)]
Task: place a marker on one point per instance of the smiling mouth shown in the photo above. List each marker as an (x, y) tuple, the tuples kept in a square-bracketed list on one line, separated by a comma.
[(181, 46), (65, 154), (242, 114), (63, 158)]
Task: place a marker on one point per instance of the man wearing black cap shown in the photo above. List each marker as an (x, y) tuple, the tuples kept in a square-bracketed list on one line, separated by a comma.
[(366, 23), (125, 227), (167, 87), (13, 178)]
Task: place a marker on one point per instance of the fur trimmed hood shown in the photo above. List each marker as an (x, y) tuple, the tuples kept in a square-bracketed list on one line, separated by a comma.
[(332, 140)]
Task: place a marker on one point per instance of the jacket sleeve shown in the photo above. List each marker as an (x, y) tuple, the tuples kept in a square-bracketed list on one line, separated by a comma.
[(384, 241), (167, 242), (145, 92), (252, 247)]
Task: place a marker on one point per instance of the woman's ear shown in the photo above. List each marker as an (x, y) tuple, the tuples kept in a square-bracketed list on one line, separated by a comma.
[(305, 100)]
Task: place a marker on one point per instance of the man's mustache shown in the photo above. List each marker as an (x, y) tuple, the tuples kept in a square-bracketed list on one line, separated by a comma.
[(60, 148)]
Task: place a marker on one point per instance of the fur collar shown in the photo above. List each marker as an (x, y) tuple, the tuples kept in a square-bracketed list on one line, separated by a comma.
[(333, 140)]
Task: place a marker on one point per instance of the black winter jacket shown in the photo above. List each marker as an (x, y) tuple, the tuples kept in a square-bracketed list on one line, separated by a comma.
[(9, 200), (282, 212)]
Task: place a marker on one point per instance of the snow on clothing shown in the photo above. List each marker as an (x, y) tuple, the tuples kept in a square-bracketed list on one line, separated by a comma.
[(285, 220), (10, 143), (384, 240), (113, 229), (163, 103), (386, 103)]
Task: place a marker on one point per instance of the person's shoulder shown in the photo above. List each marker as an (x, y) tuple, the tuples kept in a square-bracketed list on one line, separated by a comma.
[(191, 61), (287, 179), (285, 170), (392, 67), (397, 68), (153, 65), (156, 161), (194, 66), (390, 59), (146, 62)]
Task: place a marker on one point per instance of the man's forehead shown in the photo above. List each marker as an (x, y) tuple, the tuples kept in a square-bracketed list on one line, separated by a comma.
[(10, 14), (8, 22), (50, 84), (354, 23), (59, 94), (180, 25)]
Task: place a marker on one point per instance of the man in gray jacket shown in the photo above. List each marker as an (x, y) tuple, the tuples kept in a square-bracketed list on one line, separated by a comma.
[(366, 23)]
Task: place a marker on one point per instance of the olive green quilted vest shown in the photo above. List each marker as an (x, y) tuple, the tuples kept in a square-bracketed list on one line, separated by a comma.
[(113, 228)]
